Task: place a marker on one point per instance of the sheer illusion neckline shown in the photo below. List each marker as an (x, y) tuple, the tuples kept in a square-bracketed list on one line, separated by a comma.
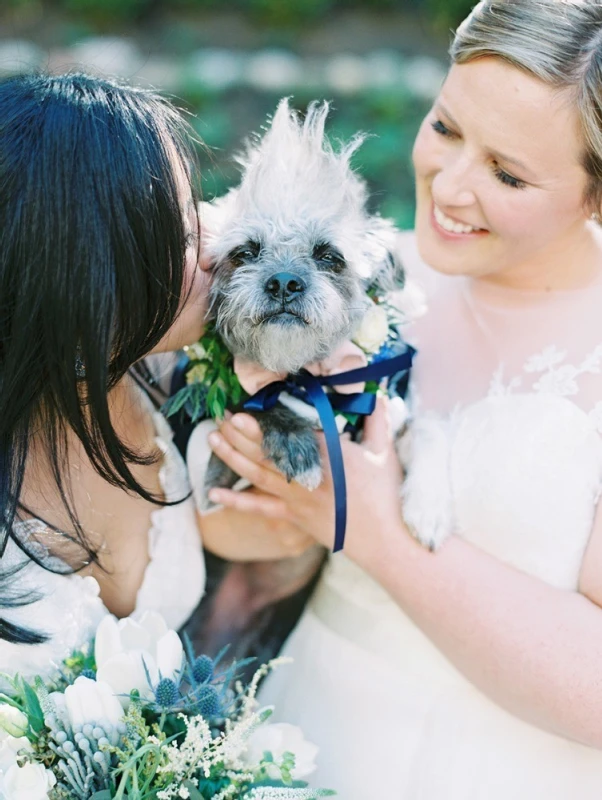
[(497, 295)]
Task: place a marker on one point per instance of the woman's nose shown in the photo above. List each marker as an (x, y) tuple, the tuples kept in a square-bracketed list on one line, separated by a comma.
[(452, 184)]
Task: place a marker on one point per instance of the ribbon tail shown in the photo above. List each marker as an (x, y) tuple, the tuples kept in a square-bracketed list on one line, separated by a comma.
[(333, 443)]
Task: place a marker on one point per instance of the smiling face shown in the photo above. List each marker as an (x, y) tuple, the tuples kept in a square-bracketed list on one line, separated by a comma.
[(500, 186)]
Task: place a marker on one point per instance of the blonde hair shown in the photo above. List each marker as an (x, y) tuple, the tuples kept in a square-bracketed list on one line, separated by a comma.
[(557, 41)]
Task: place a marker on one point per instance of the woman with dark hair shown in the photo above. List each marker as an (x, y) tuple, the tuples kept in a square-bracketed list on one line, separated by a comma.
[(99, 267)]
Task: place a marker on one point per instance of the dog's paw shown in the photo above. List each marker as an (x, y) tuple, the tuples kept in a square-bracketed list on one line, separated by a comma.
[(428, 515), (426, 493), (296, 455), (311, 479)]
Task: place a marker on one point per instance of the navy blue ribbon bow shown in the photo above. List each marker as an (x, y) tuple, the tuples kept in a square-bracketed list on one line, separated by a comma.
[(310, 388)]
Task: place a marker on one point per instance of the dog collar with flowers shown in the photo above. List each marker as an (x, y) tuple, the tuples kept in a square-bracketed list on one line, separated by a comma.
[(216, 380)]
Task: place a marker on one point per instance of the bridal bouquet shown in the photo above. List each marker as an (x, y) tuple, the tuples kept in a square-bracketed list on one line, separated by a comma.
[(138, 716)]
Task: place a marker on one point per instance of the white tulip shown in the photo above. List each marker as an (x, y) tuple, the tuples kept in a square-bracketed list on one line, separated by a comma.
[(29, 782), (280, 738), (373, 331), (135, 654), (12, 720), (93, 702)]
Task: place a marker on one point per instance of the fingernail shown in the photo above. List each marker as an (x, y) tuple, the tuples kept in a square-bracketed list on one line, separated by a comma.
[(214, 439), (238, 422), (227, 414), (214, 495)]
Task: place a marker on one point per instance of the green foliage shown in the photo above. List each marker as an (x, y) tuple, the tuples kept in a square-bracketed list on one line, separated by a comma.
[(212, 384), (276, 14)]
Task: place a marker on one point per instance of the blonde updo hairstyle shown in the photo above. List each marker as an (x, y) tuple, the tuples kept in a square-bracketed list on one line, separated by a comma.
[(557, 41)]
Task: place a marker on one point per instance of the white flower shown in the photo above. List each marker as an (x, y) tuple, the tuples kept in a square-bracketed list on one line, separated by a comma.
[(196, 352), (92, 702), (197, 374), (280, 738), (373, 330), (12, 720), (10, 746), (134, 654), (29, 782)]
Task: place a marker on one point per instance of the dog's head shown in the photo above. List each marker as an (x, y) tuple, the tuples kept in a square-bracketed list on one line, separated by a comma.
[(293, 246)]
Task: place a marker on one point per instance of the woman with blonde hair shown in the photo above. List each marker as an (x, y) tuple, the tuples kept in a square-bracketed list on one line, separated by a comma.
[(475, 671)]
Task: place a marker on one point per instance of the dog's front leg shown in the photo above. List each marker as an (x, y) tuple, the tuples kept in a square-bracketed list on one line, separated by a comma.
[(424, 453), (289, 440)]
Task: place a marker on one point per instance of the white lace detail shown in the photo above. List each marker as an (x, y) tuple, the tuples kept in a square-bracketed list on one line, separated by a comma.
[(553, 376)]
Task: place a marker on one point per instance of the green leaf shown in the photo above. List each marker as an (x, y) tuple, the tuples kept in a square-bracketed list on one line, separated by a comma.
[(194, 792), (105, 794), (175, 403), (33, 710)]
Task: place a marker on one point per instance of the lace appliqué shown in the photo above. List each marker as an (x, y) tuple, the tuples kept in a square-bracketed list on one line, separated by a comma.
[(553, 376)]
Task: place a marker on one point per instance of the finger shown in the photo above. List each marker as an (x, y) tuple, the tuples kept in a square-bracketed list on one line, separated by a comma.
[(248, 426), (248, 447), (250, 503), (257, 474), (377, 433)]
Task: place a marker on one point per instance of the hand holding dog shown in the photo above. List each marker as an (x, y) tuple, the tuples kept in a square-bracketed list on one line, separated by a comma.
[(373, 478)]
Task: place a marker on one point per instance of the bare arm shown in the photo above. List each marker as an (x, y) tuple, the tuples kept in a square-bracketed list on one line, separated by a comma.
[(533, 649)]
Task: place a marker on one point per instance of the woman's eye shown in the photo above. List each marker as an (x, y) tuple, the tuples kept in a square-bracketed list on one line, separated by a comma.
[(442, 129), (507, 179)]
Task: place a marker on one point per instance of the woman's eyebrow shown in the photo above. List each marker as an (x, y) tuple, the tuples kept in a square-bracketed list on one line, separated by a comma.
[(495, 153)]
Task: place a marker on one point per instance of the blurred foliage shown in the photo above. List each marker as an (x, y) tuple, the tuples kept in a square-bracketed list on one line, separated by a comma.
[(390, 118), (273, 13)]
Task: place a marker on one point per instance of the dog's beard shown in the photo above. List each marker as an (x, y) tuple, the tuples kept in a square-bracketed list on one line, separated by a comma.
[(256, 329)]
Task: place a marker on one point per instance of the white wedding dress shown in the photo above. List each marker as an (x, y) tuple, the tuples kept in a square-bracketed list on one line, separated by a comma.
[(67, 607), (518, 378)]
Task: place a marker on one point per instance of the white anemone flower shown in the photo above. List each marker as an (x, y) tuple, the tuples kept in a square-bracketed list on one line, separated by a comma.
[(136, 654)]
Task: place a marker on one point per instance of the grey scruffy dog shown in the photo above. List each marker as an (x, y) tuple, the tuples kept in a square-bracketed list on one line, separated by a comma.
[(293, 249)]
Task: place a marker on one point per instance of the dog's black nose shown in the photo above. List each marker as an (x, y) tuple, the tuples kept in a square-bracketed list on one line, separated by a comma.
[(284, 286)]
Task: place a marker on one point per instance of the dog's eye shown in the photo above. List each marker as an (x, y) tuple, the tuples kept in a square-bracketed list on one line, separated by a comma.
[(329, 257), (246, 252)]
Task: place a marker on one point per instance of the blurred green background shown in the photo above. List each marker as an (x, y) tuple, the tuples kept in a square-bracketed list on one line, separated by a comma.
[(227, 62)]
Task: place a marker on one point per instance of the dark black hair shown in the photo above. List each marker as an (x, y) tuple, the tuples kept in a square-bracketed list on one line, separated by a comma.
[(92, 259)]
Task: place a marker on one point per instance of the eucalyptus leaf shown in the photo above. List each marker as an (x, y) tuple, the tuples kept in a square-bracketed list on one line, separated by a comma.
[(33, 709)]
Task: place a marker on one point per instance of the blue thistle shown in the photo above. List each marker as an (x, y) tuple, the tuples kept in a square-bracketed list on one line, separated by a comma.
[(202, 669), (166, 693), (208, 703), (88, 673)]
